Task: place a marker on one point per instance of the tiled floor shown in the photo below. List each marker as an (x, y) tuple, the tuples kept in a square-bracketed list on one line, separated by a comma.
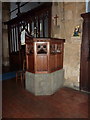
[(65, 103)]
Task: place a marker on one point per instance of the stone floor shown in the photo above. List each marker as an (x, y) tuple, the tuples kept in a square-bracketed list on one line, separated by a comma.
[(65, 103)]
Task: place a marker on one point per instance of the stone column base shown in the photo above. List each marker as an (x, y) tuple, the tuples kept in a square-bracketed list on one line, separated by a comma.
[(44, 84)]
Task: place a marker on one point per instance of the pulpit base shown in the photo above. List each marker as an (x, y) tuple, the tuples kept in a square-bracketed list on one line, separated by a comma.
[(44, 84)]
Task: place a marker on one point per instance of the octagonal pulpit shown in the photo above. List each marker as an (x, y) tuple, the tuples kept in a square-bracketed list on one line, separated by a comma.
[(44, 65)]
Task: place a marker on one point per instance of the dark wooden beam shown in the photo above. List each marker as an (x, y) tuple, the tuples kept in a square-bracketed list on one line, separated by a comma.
[(19, 6), (30, 13)]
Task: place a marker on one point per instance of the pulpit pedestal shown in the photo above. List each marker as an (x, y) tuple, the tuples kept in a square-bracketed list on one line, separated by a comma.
[(44, 84)]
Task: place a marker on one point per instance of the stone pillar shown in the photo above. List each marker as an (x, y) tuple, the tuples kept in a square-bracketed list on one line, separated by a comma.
[(5, 49)]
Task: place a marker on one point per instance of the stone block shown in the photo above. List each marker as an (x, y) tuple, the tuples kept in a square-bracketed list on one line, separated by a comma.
[(44, 84)]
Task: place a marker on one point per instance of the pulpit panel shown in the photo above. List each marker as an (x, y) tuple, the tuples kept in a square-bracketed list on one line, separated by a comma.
[(30, 63), (59, 61), (56, 55), (55, 67), (42, 63), (30, 57), (52, 62)]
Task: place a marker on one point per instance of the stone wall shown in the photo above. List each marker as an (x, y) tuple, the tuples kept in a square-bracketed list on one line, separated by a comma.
[(68, 18), (5, 49)]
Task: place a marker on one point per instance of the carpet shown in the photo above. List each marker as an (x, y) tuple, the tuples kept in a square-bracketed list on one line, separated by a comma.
[(8, 75)]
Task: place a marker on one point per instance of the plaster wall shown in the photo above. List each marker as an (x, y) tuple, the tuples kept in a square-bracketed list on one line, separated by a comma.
[(5, 50), (68, 18)]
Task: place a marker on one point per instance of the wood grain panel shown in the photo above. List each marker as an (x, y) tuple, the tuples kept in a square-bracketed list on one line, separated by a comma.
[(30, 62), (39, 63), (52, 62), (55, 62), (59, 61), (42, 63), (45, 63)]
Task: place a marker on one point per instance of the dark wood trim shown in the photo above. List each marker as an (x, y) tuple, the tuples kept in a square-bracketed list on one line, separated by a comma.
[(85, 54), (38, 26), (9, 42), (43, 27), (10, 32), (30, 13), (9, 38), (49, 23), (30, 28), (19, 45), (20, 7), (13, 39)]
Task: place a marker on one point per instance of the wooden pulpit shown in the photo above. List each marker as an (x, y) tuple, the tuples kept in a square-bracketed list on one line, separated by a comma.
[(44, 61), (44, 55)]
